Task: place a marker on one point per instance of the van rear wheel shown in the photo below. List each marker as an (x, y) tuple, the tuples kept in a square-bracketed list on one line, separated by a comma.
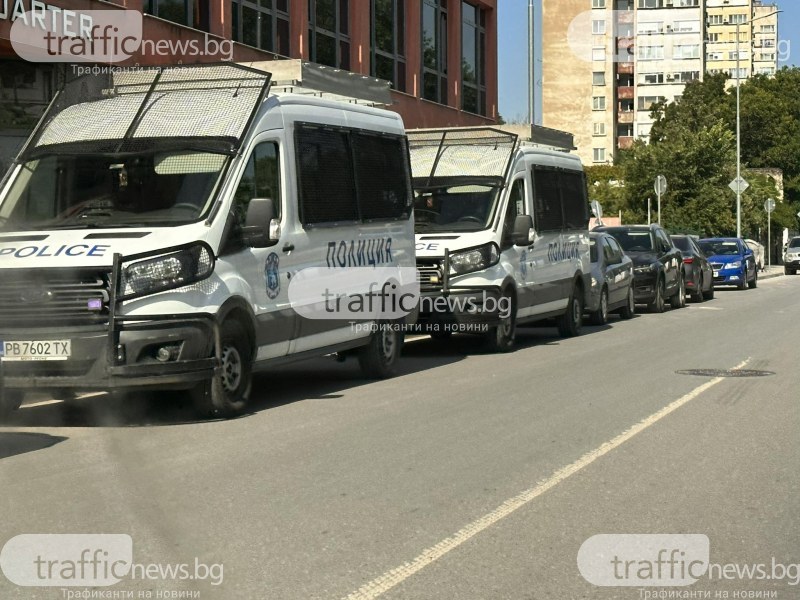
[(570, 323), (378, 359), (227, 393)]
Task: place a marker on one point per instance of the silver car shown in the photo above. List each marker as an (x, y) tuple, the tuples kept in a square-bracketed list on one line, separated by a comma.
[(611, 287)]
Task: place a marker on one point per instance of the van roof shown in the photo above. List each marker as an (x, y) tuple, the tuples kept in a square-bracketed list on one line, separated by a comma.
[(391, 119)]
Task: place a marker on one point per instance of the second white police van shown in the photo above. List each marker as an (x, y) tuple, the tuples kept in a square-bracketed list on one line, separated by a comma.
[(501, 234)]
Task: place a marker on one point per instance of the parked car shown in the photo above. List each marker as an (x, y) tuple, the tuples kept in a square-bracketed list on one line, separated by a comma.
[(733, 262), (791, 257), (611, 287), (657, 265), (697, 270), (758, 252)]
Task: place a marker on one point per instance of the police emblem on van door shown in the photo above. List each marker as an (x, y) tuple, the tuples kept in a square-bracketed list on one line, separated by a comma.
[(273, 276)]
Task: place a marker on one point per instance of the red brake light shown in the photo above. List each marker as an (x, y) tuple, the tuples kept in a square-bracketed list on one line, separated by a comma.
[(689, 260)]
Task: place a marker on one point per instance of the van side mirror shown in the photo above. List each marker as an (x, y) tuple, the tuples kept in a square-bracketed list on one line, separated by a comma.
[(261, 228), (523, 231)]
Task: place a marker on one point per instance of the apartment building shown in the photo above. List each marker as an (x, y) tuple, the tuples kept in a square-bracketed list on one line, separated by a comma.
[(606, 62)]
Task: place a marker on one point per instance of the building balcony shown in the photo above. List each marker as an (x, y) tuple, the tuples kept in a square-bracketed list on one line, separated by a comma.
[(625, 17), (625, 92), (625, 68), (625, 142), (625, 118), (625, 43)]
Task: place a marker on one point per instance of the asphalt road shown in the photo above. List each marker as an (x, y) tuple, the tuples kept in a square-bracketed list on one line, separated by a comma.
[(470, 476)]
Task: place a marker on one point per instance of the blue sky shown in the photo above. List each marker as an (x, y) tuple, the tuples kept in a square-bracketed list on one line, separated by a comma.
[(513, 55)]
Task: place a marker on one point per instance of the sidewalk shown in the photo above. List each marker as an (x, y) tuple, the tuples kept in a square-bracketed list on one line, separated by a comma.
[(770, 272)]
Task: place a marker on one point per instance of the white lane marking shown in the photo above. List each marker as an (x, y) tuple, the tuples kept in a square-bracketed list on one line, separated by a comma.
[(390, 579)]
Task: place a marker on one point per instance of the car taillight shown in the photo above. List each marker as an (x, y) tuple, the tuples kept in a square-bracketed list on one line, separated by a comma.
[(688, 261)]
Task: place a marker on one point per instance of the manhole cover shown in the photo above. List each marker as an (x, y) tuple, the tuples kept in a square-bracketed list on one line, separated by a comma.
[(726, 373)]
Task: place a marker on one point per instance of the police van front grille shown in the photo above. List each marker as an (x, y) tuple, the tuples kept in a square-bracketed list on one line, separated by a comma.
[(45, 298), (429, 276)]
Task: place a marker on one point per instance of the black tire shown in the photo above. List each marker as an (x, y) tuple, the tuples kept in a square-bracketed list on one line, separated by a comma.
[(570, 323), (441, 334), (678, 300), (658, 305), (742, 285), (697, 294), (378, 359), (788, 271), (709, 295), (629, 310), (228, 393), (754, 283), (10, 401), (500, 338), (600, 316)]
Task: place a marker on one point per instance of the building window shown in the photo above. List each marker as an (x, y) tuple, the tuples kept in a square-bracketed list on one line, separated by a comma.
[(599, 26), (768, 29), (599, 54), (434, 50), (598, 78), (598, 3), (599, 103), (192, 13), (599, 155), (685, 52), (262, 24), (599, 129), (650, 28), (647, 102), (738, 19), (651, 52), (716, 20), (388, 41), (473, 58), (329, 32), (713, 37), (650, 3)]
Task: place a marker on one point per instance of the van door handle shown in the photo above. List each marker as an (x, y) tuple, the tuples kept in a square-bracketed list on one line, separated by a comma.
[(288, 247)]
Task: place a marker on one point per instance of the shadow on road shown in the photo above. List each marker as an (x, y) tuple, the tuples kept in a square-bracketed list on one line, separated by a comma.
[(317, 379), (14, 443)]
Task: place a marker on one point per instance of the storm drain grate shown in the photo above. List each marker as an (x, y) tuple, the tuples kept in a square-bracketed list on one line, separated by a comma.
[(726, 373)]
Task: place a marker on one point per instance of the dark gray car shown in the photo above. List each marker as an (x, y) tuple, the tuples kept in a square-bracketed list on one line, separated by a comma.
[(611, 286), (697, 270)]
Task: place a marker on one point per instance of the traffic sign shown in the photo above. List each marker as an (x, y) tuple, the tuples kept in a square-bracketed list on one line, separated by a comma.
[(597, 209), (769, 205), (660, 185), (739, 185)]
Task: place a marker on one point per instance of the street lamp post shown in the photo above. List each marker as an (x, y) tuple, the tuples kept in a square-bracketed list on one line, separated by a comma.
[(739, 121)]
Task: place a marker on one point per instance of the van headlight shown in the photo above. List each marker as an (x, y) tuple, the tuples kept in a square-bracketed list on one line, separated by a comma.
[(167, 271), (474, 259)]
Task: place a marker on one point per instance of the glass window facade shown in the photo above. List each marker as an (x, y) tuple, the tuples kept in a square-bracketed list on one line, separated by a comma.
[(434, 50), (473, 58), (329, 32), (262, 24), (388, 41)]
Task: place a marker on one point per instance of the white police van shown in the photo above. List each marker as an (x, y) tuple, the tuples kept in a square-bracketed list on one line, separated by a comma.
[(502, 234), (152, 225)]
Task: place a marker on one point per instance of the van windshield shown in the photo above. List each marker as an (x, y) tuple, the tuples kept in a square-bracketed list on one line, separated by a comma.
[(75, 191), (456, 208)]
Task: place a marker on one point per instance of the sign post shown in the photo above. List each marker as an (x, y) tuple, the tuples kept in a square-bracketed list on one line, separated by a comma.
[(739, 186), (660, 188), (769, 206)]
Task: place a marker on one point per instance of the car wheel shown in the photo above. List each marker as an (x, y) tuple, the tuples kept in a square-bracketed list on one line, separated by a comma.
[(709, 295), (10, 401), (500, 338), (754, 283), (629, 309), (378, 359), (600, 316), (228, 392), (697, 294), (570, 323), (441, 334), (657, 305), (679, 299)]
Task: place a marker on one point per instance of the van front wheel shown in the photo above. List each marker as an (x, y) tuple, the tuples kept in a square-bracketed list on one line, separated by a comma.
[(227, 394), (378, 359), (500, 338)]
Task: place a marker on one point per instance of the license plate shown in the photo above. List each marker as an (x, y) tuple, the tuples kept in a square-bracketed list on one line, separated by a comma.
[(716, 273), (39, 350)]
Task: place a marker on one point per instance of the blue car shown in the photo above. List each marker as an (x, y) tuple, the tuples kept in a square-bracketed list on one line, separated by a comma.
[(732, 260)]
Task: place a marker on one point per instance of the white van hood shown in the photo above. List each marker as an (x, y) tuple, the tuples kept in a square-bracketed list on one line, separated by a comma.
[(433, 245), (88, 247)]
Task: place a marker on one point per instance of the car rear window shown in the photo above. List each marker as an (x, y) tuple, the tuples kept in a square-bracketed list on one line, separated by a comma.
[(682, 243), (634, 241), (795, 243)]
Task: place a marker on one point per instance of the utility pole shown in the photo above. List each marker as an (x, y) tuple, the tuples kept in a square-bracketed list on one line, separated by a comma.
[(531, 66)]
